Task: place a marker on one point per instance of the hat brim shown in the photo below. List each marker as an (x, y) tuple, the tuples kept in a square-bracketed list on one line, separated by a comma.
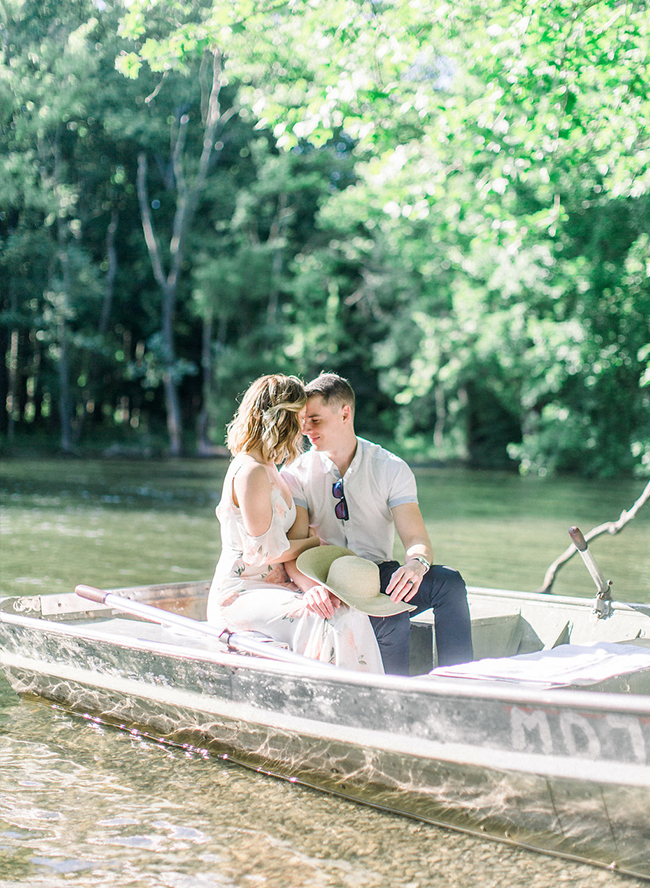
[(378, 606), (315, 564)]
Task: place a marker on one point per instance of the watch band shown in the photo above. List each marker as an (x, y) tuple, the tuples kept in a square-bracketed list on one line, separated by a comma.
[(422, 561)]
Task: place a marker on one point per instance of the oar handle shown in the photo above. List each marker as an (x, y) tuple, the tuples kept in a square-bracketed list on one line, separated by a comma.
[(91, 593), (578, 539), (602, 584), (236, 642)]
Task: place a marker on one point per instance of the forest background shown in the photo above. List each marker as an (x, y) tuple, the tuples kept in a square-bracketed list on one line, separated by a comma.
[(447, 203)]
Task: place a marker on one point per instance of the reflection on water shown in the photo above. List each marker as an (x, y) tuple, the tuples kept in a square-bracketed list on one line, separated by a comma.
[(94, 806), (89, 806), (107, 523)]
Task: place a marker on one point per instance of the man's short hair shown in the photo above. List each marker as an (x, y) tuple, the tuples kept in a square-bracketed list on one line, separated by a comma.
[(332, 388)]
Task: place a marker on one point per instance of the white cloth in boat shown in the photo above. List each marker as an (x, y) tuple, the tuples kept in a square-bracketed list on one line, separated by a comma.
[(248, 593), (567, 664)]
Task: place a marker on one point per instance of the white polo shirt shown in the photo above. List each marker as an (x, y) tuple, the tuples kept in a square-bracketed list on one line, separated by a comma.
[(375, 482)]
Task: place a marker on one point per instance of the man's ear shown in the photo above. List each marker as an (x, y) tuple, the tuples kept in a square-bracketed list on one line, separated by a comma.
[(346, 413)]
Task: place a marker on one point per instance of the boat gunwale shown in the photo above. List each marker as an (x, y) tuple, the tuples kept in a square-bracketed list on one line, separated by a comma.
[(436, 686), (550, 598)]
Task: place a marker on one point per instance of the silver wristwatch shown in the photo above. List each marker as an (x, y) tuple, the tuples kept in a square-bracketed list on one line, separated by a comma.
[(422, 561)]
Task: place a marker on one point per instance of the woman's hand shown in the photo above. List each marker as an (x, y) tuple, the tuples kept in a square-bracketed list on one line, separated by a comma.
[(320, 601)]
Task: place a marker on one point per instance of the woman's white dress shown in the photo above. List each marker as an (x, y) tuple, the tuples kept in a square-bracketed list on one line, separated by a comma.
[(248, 593)]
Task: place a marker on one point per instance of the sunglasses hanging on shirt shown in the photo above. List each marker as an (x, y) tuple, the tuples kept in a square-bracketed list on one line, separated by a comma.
[(341, 507)]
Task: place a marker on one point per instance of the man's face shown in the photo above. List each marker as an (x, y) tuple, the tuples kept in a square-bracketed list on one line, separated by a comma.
[(325, 424)]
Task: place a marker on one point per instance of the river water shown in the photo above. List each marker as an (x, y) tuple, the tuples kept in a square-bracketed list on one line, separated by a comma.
[(84, 805)]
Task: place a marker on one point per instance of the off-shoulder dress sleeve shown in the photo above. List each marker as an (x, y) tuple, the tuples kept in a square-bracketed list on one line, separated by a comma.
[(262, 549)]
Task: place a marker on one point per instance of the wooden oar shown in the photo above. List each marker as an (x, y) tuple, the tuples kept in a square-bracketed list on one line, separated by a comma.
[(602, 606), (232, 640)]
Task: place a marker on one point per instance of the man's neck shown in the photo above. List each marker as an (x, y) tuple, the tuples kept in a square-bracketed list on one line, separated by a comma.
[(343, 455)]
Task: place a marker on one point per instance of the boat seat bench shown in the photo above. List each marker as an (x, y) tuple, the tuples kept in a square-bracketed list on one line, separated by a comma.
[(501, 634)]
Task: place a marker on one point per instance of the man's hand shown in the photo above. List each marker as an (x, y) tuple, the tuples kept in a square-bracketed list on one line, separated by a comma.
[(405, 582), (320, 601)]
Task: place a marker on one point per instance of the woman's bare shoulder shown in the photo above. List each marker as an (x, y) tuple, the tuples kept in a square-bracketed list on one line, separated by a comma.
[(252, 477)]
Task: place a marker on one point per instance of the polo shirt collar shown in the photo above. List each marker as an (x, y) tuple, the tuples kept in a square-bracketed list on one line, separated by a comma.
[(330, 467), (356, 459)]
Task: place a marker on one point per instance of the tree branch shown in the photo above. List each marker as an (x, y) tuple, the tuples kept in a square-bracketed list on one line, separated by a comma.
[(178, 146), (147, 223), (189, 196), (153, 95), (611, 527)]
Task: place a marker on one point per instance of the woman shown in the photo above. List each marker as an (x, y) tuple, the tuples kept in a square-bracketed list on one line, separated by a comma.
[(251, 589)]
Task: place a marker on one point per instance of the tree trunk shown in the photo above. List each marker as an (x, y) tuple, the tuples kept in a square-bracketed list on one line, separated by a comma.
[(187, 197), (203, 445), (441, 416), (65, 397), (65, 400), (94, 359), (109, 288), (12, 381), (168, 284), (173, 407)]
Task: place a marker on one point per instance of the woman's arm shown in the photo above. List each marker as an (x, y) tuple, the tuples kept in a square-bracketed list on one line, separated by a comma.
[(296, 547), (299, 531), (317, 598)]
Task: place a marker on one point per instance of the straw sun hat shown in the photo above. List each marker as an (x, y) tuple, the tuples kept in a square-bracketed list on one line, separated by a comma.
[(353, 579)]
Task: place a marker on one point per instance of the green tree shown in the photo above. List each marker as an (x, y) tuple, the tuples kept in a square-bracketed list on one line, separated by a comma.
[(472, 255), (46, 66), (246, 277)]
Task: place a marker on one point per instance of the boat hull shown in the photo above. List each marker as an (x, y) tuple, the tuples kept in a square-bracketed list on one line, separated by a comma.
[(564, 772)]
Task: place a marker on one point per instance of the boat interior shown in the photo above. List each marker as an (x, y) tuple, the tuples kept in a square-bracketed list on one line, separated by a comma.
[(536, 629)]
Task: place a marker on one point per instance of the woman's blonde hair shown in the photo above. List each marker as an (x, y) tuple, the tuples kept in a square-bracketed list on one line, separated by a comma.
[(268, 418)]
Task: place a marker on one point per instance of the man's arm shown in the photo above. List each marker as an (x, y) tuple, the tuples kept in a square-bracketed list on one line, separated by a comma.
[(317, 598), (409, 524)]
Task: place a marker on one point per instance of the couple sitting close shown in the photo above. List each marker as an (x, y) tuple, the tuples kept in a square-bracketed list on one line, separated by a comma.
[(307, 550)]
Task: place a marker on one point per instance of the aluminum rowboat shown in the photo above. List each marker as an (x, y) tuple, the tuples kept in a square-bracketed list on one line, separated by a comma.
[(563, 769)]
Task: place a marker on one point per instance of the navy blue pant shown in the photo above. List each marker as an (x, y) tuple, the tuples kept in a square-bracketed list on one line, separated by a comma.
[(444, 590)]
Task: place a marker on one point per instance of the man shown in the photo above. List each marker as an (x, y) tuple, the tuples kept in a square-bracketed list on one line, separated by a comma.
[(356, 494)]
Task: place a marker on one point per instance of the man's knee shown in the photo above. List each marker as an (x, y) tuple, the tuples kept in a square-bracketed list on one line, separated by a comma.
[(441, 585), (450, 576)]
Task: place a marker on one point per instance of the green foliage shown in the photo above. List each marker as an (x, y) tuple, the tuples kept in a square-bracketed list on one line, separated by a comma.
[(450, 210)]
